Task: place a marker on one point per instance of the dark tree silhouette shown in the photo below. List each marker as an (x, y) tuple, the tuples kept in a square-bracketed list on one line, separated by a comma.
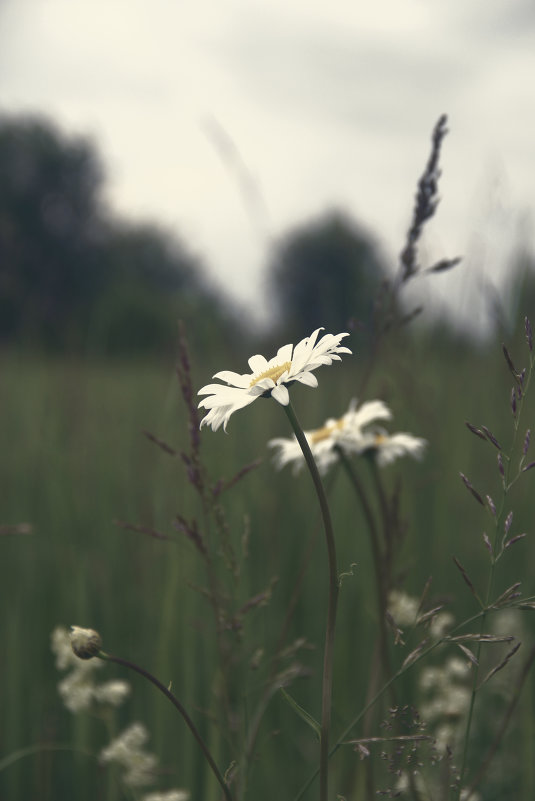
[(50, 227), (325, 273), (73, 275)]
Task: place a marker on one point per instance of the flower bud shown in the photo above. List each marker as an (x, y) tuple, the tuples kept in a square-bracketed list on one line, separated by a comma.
[(85, 643)]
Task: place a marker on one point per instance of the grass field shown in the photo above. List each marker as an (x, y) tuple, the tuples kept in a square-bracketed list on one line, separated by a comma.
[(75, 460)]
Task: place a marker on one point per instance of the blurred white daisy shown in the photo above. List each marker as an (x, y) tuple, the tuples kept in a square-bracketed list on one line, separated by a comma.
[(386, 448), (112, 692), (322, 441), (403, 607), (269, 377), (128, 751)]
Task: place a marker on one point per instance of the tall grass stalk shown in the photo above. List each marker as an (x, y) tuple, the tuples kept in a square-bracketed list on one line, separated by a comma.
[(497, 547)]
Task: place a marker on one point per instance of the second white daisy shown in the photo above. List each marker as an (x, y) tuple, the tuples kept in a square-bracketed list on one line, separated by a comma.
[(353, 434), (323, 441)]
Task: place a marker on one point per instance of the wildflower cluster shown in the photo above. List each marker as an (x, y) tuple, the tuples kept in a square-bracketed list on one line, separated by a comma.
[(74, 649), (446, 693), (128, 751), (139, 766), (79, 689), (353, 432)]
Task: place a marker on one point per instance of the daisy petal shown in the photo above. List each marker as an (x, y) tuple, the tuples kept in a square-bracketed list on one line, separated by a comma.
[(257, 364), (281, 395), (309, 379), (234, 379), (284, 354)]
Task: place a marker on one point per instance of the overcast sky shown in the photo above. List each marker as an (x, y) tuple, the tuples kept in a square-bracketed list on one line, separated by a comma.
[(232, 120)]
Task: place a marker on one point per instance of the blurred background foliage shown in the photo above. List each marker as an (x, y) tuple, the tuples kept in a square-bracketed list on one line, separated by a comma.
[(75, 278), (89, 305)]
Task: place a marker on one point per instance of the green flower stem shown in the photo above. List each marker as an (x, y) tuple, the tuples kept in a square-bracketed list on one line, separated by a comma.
[(328, 654), (176, 703), (381, 559), (366, 508)]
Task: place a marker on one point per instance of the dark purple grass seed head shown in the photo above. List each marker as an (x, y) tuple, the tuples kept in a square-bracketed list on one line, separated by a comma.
[(470, 487), (475, 430), (513, 401), (529, 334), (526, 442), (509, 361), (508, 521), (490, 436), (512, 542), (491, 504), (426, 201)]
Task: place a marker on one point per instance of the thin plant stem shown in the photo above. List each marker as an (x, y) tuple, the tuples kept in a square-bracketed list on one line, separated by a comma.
[(403, 669), (38, 748), (332, 602), (503, 726), (366, 508), (271, 685), (176, 703), (507, 484)]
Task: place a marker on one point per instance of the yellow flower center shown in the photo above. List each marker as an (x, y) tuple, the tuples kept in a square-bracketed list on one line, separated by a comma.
[(324, 433), (380, 439), (274, 373)]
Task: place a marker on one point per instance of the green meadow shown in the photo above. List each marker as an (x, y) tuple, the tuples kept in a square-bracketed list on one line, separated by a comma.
[(76, 463)]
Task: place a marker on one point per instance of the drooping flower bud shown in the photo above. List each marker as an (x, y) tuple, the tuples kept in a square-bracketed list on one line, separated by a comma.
[(85, 643)]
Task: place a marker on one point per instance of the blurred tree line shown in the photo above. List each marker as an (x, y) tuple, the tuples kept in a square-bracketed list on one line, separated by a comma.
[(73, 276), (76, 278)]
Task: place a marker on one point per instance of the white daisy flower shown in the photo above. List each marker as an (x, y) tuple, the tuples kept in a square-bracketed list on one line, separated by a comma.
[(269, 377), (322, 441)]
